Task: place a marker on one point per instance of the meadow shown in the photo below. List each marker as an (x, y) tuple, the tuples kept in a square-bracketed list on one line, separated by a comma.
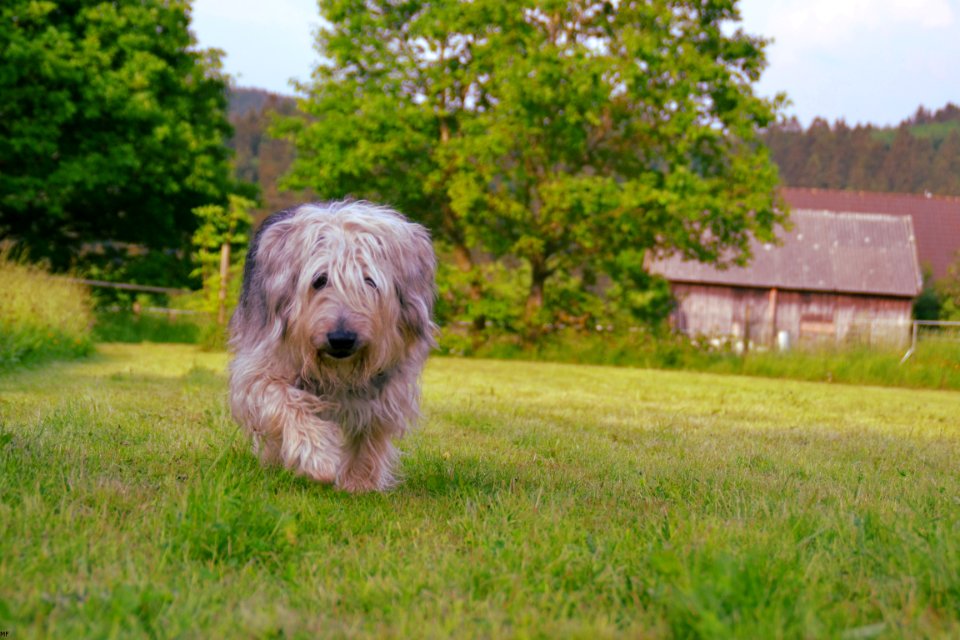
[(539, 500)]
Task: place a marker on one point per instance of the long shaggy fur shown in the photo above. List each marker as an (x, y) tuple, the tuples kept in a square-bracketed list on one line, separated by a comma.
[(314, 274)]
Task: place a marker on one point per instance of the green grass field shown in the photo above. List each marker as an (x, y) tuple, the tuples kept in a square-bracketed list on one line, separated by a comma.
[(540, 500)]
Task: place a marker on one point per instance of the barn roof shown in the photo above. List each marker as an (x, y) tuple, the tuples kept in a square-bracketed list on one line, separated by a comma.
[(824, 251), (936, 219)]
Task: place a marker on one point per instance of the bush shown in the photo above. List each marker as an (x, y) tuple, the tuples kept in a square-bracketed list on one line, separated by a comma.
[(41, 317), (123, 326), (219, 227)]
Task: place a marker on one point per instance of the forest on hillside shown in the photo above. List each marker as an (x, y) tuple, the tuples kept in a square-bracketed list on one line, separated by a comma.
[(258, 157), (920, 155)]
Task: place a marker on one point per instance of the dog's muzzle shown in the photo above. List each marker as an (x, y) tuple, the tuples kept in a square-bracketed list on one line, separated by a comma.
[(341, 344)]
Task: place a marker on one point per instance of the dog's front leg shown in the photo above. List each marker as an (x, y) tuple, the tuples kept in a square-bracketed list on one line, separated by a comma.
[(311, 446), (368, 461), (284, 423)]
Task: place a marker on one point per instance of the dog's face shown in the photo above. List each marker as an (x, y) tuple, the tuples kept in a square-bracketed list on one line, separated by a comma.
[(352, 289)]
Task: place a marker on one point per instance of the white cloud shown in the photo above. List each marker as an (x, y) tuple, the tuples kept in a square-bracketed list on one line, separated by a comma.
[(832, 23), (860, 60), (266, 43), (286, 13)]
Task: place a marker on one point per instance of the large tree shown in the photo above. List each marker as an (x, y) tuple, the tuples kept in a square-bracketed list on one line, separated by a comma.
[(112, 124), (574, 135)]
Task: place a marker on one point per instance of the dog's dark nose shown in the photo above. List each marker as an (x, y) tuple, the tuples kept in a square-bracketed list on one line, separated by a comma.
[(342, 343)]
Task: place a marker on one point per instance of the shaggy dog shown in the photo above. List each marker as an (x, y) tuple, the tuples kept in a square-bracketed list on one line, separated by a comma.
[(330, 336)]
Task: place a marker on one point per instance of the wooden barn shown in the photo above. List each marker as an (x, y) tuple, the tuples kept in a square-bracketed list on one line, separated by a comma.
[(836, 278)]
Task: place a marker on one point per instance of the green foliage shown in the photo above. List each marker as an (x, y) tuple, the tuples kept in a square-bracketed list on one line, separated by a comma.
[(538, 500), (218, 227), (41, 317), (940, 300), (575, 300), (559, 135), (128, 327), (927, 305), (112, 125), (500, 304), (948, 290), (169, 269)]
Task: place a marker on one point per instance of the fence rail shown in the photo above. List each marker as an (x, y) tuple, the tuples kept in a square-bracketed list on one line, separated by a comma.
[(167, 311), (130, 287), (137, 308)]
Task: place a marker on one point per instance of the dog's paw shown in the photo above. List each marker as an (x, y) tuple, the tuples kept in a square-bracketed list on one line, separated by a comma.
[(267, 449), (312, 450), (360, 484), (368, 464), (320, 470), (359, 478)]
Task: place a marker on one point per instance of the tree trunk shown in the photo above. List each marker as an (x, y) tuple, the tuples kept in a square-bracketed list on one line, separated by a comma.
[(461, 255), (534, 304), (464, 261)]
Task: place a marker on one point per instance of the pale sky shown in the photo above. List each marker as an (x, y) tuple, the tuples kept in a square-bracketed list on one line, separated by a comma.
[(861, 60)]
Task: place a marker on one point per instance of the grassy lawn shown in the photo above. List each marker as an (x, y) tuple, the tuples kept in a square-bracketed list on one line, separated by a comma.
[(540, 500)]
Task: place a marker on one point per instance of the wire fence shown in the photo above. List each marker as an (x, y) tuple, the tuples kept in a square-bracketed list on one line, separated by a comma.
[(946, 330), (127, 286), (136, 308)]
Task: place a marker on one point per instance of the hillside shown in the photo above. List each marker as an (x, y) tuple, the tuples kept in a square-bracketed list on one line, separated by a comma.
[(920, 155), (259, 158), (245, 100), (936, 126)]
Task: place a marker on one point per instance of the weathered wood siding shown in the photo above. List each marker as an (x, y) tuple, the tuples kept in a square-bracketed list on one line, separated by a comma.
[(808, 317)]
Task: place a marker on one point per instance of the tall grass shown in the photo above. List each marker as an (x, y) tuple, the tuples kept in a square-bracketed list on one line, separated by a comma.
[(41, 317), (197, 326), (935, 365)]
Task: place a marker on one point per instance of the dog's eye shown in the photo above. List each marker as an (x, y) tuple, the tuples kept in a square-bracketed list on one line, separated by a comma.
[(320, 281), (370, 282)]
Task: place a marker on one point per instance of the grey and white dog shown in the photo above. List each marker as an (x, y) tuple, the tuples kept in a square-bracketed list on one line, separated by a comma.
[(330, 336)]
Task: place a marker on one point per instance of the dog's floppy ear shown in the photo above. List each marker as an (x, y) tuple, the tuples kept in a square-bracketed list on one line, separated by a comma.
[(416, 281), (278, 274)]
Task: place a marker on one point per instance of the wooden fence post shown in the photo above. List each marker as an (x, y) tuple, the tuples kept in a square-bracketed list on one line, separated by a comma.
[(224, 276), (773, 317), (746, 330)]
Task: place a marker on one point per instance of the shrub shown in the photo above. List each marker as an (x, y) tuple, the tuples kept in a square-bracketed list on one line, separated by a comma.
[(41, 317), (219, 228), (124, 326)]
